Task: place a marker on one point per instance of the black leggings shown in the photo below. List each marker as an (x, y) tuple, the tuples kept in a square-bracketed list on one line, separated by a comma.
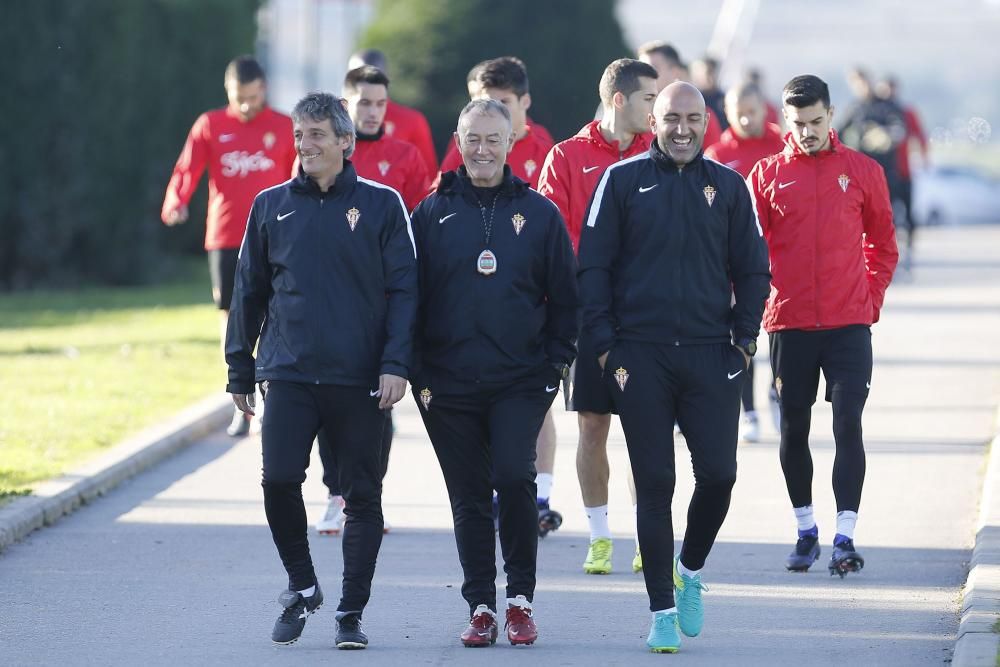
[(844, 356)]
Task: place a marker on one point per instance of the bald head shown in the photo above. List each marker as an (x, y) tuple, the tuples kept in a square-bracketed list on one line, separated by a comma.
[(679, 120)]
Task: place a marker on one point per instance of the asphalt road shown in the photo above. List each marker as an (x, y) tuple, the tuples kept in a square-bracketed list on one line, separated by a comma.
[(177, 565)]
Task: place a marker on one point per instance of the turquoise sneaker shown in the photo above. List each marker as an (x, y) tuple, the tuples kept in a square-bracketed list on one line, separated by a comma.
[(663, 635), (687, 595)]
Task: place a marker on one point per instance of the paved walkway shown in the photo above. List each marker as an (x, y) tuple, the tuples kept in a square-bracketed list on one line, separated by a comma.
[(177, 566)]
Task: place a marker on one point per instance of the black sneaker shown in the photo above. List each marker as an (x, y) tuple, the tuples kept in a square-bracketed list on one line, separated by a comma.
[(806, 553), (288, 627), (349, 632), (845, 558)]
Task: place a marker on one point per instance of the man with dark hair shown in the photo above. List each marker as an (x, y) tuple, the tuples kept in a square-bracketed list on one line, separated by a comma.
[(570, 173), (827, 219), (401, 122), (247, 147), (475, 88), (668, 64), (673, 277), (748, 139), (506, 81), (378, 156), (495, 338), (319, 251)]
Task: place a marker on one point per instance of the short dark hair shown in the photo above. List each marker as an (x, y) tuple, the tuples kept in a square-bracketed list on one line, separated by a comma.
[(243, 70), (622, 76), (664, 49), (805, 91), (372, 57), (364, 74), (506, 73)]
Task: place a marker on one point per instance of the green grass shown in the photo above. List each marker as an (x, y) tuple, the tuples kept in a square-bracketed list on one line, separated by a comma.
[(82, 369)]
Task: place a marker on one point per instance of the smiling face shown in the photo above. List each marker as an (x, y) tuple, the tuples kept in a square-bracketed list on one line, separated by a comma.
[(484, 139), (679, 120), (810, 126), (320, 150)]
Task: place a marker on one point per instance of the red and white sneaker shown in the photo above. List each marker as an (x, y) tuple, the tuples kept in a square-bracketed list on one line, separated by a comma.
[(334, 519), (520, 626), (482, 630)]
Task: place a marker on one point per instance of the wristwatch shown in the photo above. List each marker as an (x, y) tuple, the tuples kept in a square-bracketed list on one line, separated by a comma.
[(748, 345), (562, 370)]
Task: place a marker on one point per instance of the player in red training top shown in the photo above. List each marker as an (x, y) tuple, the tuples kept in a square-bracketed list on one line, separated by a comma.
[(377, 156), (506, 81), (749, 138), (247, 147), (401, 122), (668, 65), (569, 176)]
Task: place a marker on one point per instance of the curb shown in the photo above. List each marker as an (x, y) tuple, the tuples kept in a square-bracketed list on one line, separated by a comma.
[(978, 643), (54, 498)]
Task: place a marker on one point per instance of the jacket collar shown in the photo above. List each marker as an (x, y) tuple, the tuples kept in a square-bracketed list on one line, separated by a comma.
[(592, 132), (792, 149), (458, 182), (345, 182)]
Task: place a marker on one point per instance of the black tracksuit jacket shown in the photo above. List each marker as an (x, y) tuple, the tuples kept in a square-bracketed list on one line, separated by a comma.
[(328, 280), (474, 328), (663, 251)]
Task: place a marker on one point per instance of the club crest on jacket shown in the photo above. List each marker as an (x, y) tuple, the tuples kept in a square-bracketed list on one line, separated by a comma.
[(518, 221), (352, 217), (383, 167), (425, 398), (709, 194), (844, 181), (529, 167)]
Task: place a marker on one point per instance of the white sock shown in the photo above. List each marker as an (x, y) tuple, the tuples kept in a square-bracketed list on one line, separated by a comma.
[(598, 519), (804, 517), (635, 513), (672, 610), (308, 592), (519, 601), (686, 572), (544, 482), (845, 523)]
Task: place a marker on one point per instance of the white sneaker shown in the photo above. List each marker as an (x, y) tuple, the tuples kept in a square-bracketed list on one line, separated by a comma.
[(239, 426), (333, 521), (749, 427)]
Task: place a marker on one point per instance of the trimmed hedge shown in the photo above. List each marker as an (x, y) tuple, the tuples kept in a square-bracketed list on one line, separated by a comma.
[(99, 96)]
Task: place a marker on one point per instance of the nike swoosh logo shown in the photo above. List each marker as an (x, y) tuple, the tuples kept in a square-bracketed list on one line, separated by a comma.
[(515, 633), (732, 375), (642, 189), (282, 217), (733, 164), (550, 389), (440, 220), (374, 393), (782, 186), (587, 170), (224, 138)]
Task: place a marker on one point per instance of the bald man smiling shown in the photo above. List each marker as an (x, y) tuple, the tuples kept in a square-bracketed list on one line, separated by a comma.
[(668, 240)]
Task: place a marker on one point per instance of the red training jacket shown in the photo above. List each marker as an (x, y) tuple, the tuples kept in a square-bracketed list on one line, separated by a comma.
[(913, 131), (394, 163), (242, 159), (828, 225), (573, 167), (742, 153), (525, 159), (407, 124)]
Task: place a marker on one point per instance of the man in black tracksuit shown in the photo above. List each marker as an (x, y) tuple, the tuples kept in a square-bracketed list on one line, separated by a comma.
[(494, 339), (669, 238), (327, 278)]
